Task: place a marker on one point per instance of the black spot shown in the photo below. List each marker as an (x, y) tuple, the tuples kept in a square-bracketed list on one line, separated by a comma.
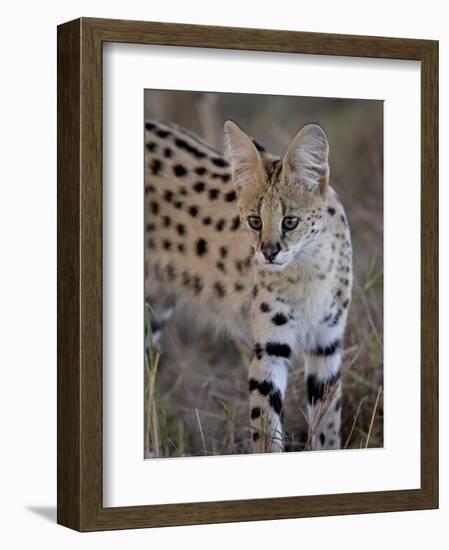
[(220, 289), (235, 223), (200, 170), (223, 251), (335, 319), (220, 225), (338, 404), (150, 126), (186, 278), (179, 170), (327, 318), (255, 413), (167, 152), (276, 402), (197, 284), (181, 229), (189, 148), (253, 384), (151, 146), (330, 349), (199, 186), (193, 211), (316, 388), (155, 166), (278, 349), (239, 287), (166, 244), (213, 194), (181, 248), (183, 191), (256, 436), (225, 177), (221, 266), (322, 438), (243, 265), (207, 220), (331, 210), (255, 291), (343, 219), (265, 387), (150, 189), (166, 221), (279, 319), (168, 196), (163, 133), (345, 303), (171, 272), (219, 161), (264, 307), (154, 207), (258, 350), (150, 227), (231, 196), (201, 247), (178, 204)]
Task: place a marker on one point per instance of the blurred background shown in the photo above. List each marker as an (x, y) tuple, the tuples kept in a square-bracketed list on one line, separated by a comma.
[(197, 399)]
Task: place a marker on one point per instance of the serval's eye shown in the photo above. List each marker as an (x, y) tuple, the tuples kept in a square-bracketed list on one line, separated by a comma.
[(255, 222), (290, 222)]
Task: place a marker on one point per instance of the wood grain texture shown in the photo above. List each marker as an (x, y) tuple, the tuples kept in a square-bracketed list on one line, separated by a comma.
[(80, 274), (429, 271), (69, 407)]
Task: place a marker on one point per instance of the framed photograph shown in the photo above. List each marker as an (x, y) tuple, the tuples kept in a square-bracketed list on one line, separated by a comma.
[(247, 274)]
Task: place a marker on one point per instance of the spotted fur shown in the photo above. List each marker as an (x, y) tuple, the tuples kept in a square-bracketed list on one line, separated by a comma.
[(282, 289)]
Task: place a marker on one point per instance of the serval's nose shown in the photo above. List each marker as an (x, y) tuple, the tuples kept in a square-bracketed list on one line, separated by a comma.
[(270, 250)]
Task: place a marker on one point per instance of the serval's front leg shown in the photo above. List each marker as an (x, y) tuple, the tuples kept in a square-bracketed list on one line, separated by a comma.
[(324, 395), (268, 369)]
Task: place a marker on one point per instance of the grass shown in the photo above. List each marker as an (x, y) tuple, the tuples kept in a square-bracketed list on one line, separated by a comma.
[(155, 440)]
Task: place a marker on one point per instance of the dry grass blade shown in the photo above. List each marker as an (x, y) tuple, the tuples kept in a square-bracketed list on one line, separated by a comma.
[(152, 418), (201, 430), (354, 422), (373, 416)]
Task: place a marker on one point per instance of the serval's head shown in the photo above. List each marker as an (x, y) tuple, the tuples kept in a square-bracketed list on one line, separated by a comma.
[(282, 202)]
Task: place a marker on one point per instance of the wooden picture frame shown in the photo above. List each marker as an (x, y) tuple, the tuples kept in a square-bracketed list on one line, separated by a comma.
[(80, 351)]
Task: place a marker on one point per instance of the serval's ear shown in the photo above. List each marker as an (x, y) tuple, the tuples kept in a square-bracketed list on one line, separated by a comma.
[(246, 164), (307, 158)]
